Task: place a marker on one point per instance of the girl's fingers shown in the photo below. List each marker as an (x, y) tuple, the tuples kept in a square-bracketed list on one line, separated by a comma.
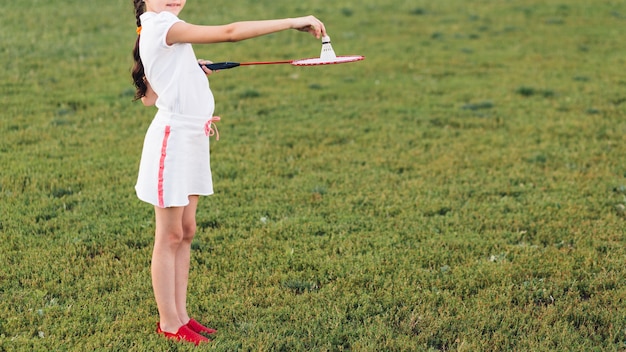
[(323, 29), (313, 26), (318, 28), (204, 68)]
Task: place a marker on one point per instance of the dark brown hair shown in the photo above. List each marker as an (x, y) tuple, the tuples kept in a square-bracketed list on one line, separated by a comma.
[(138, 74)]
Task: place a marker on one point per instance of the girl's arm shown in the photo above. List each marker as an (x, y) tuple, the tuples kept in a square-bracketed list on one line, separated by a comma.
[(150, 98), (183, 32)]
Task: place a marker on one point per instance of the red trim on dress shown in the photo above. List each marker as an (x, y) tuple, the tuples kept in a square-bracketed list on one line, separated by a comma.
[(162, 165)]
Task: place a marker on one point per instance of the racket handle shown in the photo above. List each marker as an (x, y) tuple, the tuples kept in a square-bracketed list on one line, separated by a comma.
[(221, 65)]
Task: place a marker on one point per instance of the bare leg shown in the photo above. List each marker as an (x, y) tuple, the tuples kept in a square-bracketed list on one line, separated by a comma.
[(168, 238), (183, 256)]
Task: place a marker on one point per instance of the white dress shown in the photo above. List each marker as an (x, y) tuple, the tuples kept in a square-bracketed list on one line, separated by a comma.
[(175, 162)]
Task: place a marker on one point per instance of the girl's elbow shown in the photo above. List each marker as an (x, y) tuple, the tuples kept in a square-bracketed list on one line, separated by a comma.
[(230, 34)]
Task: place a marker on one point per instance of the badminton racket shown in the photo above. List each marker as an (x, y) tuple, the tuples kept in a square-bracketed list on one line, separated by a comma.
[(301, 62), (327, 57)]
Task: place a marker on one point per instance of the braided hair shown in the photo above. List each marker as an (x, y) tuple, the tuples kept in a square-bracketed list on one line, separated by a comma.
[(138, 74)]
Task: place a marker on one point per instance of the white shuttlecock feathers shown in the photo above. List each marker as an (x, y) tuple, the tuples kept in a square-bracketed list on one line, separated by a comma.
[(327, 54)]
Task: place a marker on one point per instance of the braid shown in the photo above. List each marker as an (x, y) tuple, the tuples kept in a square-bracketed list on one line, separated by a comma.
[(140, 8), (138, 71)]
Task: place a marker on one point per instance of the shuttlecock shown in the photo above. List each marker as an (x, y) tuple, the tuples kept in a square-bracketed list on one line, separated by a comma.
[(327, 49)]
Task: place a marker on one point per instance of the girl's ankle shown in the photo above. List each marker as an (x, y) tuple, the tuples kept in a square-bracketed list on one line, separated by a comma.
[(168, 328)]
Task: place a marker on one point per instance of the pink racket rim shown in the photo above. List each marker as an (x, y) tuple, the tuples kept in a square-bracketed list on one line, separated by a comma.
[(318, 61)]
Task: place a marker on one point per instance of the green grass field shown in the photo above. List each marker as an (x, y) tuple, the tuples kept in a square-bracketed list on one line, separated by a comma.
[(462, 189)]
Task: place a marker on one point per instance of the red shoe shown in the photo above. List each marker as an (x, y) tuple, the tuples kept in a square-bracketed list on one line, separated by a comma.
[(199, 328), (185, 334)]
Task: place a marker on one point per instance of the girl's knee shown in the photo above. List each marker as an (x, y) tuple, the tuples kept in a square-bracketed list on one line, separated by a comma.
[(189, 230), (170, 237)]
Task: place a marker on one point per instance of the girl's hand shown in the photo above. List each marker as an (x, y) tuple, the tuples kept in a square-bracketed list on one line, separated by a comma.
[(204, 68), (151, 97), (309, 24)]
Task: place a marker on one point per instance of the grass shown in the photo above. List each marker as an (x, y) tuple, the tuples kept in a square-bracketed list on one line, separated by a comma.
[(463, 188)]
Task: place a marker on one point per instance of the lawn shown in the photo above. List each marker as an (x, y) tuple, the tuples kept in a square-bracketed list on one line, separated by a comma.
[(461, 189)]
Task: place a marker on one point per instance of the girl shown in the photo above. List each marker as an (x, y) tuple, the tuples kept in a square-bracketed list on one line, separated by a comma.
[(174, 169)]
